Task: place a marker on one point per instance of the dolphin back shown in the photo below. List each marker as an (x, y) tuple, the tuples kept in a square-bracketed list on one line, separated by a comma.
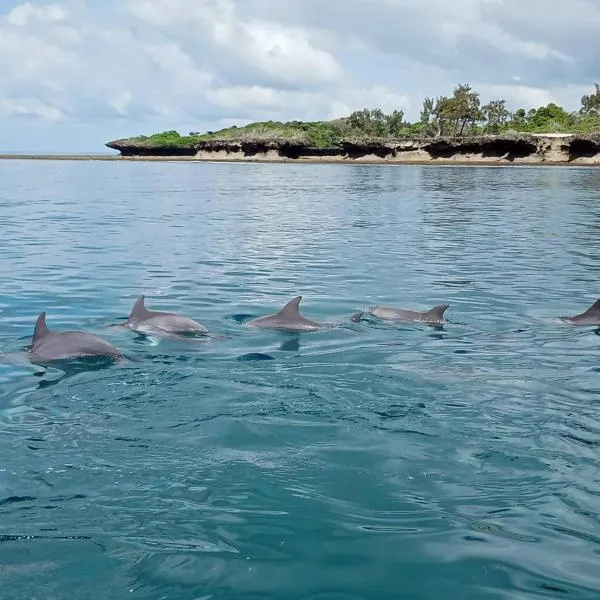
[(151, 321), (40, 330), (49, 345), (292, 309), (139, 311), (591, 315), (288, 317), (170, 323), (436, 314), (70, 344)]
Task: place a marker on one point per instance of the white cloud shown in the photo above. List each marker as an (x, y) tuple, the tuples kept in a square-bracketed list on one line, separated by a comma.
[(178, 68), (519, 95), (377, 97), (283, 53), (511, 45), (287, 53), (252, 97), (120, 102), (27, 59), (30, 107), (23, 14)]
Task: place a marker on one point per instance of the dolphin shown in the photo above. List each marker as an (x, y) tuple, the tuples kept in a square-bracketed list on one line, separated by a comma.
[(590, 317), (50, 345), (143, 320), (288, 318), (434, 316)]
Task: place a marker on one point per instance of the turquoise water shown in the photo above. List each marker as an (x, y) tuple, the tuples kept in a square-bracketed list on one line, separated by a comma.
[(368, 460)]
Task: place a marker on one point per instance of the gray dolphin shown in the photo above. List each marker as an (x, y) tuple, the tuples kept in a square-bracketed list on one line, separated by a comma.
[(143, 320), (288, 318), (50, 345), (388, 313), (590, 317)]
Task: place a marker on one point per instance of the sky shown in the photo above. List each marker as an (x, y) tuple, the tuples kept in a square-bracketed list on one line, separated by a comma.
[(75, 74)]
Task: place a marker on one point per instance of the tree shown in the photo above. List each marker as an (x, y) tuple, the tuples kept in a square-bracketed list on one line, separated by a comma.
[(360, 121), (378, 122), (451, 115), (590, 103), (519, 119), (443, 115), (551, 117), (375, 122), (427, 110), (465, 107), (496, 115), (427, 123), (395, 123)]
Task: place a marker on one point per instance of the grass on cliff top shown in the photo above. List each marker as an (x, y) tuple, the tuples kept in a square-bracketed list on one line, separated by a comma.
[(329, 134), (317, 134), (169, 139)]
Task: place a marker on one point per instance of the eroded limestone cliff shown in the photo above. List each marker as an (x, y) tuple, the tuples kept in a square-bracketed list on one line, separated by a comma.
[(521, 148)]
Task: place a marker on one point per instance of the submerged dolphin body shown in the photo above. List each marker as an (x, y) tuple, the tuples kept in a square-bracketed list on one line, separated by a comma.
[(50, 345), (387, 313), (143, 320), (288, 319), (590, 317)]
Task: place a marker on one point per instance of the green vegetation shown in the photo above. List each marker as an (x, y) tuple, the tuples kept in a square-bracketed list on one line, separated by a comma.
[(316, 134), (170, 139), (460, 114), (590, 103)]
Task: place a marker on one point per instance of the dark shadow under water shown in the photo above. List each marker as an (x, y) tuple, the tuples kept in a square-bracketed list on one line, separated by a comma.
[(71, 367)]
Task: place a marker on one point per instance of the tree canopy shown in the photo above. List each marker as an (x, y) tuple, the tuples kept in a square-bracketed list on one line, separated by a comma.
[(590, 103), (462, 114), (459, 114)]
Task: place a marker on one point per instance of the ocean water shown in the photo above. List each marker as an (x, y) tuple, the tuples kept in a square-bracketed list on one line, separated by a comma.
[(368, 460)]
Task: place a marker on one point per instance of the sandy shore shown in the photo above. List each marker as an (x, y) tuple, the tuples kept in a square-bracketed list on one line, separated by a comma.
[(269, 157), (61, 157), (553, 155)]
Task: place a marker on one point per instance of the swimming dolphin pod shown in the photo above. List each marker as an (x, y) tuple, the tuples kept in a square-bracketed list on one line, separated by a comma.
[(389, 313), (288, 319), (49, 345), (590, 317), (143, 320)]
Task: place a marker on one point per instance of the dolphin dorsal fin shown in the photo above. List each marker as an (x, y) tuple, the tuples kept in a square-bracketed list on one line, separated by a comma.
[(41, 329), (594, 309), (139, 310), (437, 312), (291, 309)]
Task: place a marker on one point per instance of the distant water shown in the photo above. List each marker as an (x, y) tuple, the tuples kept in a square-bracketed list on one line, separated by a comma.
[(366, 461)]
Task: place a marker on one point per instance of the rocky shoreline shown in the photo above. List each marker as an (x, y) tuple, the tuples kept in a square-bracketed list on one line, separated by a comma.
[(496, 149)]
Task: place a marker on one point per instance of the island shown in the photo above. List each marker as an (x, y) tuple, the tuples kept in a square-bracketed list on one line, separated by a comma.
[(451, 129)]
